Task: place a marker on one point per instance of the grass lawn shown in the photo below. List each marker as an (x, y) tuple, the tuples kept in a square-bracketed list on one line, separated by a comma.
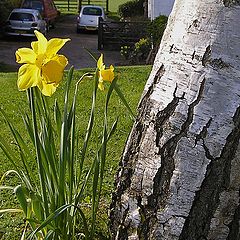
[(113, 4), (131, 81)]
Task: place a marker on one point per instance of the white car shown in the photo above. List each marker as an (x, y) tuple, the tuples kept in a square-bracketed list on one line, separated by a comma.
[(23, 22), (88, 17)]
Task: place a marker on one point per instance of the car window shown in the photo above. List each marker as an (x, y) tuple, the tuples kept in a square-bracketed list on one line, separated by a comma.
[(28, 17), (37, 5), (92, 11), (33, 4)]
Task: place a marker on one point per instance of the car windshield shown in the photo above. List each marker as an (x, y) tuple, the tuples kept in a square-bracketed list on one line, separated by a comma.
[(16, 16), (92, 11)]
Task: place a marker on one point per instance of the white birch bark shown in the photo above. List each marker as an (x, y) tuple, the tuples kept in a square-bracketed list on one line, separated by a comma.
[(180, 172)]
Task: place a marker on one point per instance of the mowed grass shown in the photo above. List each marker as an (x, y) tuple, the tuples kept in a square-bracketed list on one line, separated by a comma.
[(113, 4), (62, 5), (131, 81)]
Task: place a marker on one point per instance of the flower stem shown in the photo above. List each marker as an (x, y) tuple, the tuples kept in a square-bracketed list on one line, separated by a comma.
[(38, 151)]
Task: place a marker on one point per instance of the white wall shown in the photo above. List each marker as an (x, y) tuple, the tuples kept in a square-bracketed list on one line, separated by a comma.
[(159, 7)]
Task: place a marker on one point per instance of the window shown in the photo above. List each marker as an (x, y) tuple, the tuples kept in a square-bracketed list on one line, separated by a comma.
[(34, 5), (27, 17), (92, 11), (37, 5)]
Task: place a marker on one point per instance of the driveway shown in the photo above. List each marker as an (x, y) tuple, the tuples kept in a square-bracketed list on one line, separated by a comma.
[(75, 50)]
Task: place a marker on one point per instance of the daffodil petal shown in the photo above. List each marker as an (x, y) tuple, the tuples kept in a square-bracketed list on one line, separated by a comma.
[(100, 63), (101, 85), (111, 67), (42, 42), (107, 75), (34, 46), (47, 89), (28, 76), (54, 45), (61, 59), (52, 71), (25, 55)]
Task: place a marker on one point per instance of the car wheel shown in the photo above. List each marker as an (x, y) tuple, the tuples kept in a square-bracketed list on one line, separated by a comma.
[(52, 25), (47, 27), (45, 31)]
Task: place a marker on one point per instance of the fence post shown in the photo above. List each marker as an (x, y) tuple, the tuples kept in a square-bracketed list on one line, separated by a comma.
[(107, 5), (100, 33)]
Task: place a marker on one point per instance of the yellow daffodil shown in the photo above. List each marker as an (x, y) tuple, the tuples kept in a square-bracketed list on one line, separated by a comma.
[(104, 74), (42, 67)]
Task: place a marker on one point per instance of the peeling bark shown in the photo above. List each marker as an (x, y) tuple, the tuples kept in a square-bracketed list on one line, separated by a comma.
[(179, 177)]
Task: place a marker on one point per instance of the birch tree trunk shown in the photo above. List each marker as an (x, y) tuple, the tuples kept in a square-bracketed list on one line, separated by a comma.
[(180, 173)]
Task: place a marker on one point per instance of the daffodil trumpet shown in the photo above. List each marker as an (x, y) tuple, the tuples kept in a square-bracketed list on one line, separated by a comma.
[(105, 75)]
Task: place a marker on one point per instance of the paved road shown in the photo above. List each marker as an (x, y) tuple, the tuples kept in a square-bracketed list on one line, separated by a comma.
[(74, 50)]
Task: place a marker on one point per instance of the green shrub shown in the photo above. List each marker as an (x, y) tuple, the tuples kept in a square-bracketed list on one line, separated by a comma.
[(156, 29), (131, 8), (6, 7), (138, 53), (142, 48)]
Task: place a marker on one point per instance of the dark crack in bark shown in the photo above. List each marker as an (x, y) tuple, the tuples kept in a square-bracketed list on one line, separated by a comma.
[(165, 114), (216, 180), (203, 132), (207, 56), (123, 182), (207, 151), (234, 226), (143, 214), (193, 55), (171, 48), (123, 232), (219, 63), (216, 63), (156, 79), (194, 24), (164, 174), (125, 172)]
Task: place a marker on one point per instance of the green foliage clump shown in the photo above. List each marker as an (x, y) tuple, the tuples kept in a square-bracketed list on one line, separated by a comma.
[(131, 9), (138, 53), (142, 47), (156, 29), (6, 6)]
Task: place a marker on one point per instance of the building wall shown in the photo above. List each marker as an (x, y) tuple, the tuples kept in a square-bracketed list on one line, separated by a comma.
[(159, 7)]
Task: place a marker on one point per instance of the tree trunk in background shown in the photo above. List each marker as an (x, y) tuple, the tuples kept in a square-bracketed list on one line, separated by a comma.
[(180, 172), (145, 7), (79, 5)]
